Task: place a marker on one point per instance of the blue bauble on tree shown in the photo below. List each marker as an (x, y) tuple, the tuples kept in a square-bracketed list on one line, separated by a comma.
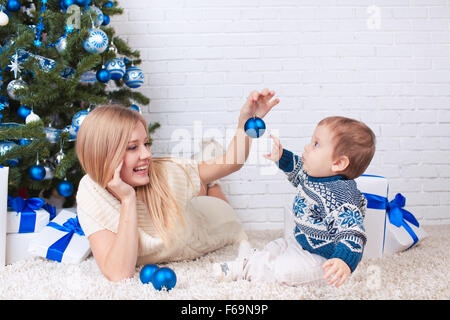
[(36, 172), (65, 188), (164, 278), (134, 77), (23, 112), (255, 127), (109, 4), (106, 20), (97, 42), (78, 119), (67, 3), (83, 3), (147, 272), (103, 75), (13, 5), (116, 68)]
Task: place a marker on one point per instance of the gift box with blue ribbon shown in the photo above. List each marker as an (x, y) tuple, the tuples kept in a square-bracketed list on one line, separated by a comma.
[(4, 171), (28, 215), (61, 240), (389, 227)]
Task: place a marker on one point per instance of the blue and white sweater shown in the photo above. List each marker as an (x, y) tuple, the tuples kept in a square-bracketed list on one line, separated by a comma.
[(328, 213)]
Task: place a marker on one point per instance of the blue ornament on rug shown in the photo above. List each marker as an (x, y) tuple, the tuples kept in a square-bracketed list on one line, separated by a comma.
[(36, 172), (134, 77), (255, 127), (23, 112), (164, 278), (13, 5), (103, 75), (116, 68), (65, 188), (78, 119), (97, 42), (147, 273)]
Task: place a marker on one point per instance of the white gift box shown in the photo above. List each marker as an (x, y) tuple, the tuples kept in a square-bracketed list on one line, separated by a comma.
[(16, 221), (375, 219), (389, 227), (61, 240), (17, 246), (3, 204)]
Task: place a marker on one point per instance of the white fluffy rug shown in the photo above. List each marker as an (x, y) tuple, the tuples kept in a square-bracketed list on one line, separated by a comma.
[(419, 273)]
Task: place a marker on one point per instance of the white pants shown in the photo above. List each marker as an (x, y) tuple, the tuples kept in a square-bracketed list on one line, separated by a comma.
[(284, 261)]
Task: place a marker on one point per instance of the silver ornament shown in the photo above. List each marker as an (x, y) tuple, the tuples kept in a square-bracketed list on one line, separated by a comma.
[(97, 42), (61, 44), (59, 157), (3, 19), (32, 117), (13, 86)]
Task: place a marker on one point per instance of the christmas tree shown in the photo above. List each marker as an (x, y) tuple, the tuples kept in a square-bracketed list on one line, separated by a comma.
[(58, 60)]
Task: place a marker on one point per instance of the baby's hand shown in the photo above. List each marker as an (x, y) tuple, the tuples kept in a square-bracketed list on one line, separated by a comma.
[(337, 267), (277, 150)]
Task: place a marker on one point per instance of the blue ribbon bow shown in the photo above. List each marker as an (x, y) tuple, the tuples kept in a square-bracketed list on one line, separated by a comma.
[(397, 215), (71, 226), (26, 208)]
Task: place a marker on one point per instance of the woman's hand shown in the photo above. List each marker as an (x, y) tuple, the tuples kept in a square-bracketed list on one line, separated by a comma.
[(277, 150), (257, 104), (121, 190)]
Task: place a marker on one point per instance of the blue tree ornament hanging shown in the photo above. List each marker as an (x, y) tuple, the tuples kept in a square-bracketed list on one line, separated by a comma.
[(254, 127), (134, 77), (65, 188), (97, 41), (36, 172), (13, 5), (116, 68)]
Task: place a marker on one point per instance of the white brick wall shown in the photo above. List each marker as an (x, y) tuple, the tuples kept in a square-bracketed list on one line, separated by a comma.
[(385, 62)]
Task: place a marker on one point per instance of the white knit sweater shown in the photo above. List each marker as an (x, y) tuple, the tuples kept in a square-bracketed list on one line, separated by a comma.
[(210, 223)]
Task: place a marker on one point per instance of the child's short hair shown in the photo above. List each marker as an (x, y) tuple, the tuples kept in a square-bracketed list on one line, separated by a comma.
[(353, 139)]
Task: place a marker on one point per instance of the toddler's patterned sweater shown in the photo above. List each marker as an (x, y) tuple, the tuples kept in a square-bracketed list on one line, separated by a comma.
[(328, 213)]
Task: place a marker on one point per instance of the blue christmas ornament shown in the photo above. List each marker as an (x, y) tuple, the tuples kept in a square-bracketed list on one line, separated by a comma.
[(72, 131), (13, 5), (103, 75), (78, 119), (65, 188), (99, 19), (134, 77), (67, 3), (147, 273), (255, 127), (164, 278), (136, 108), (83, 3), (23, 112), (109, 4), (36, 172), (6, 146), (106, 20), (116, 68), (97, 42), (52, 134)]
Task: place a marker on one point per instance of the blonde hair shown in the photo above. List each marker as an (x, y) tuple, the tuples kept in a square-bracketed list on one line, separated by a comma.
[(101, 144), (353, 139)]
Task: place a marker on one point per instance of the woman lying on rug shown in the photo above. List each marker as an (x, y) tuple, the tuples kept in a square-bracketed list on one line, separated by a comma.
[(136, 209)]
